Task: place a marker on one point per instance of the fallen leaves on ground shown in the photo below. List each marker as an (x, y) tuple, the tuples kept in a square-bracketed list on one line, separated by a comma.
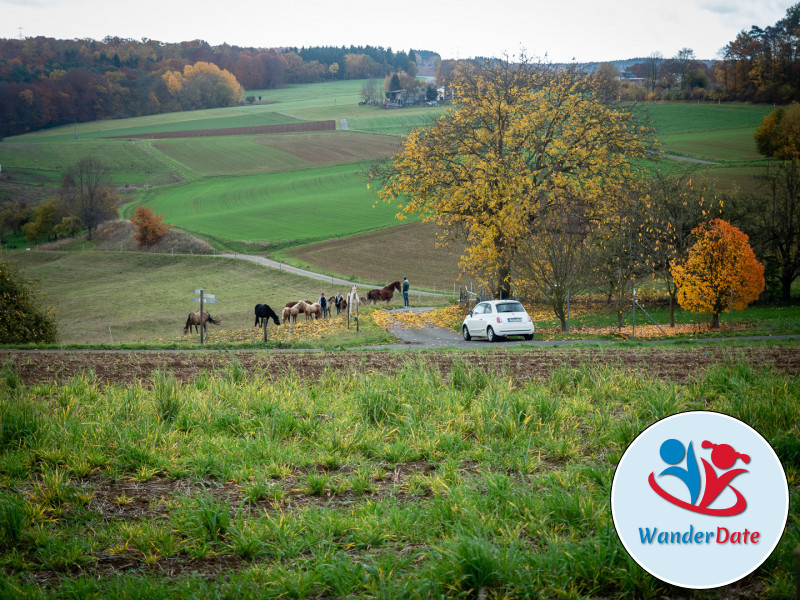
[(302, 330)]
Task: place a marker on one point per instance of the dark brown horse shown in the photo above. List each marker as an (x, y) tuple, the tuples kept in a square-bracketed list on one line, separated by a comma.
[(193, 320), (385, 293)]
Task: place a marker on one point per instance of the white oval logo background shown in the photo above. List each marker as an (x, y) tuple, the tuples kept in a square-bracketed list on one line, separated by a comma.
[(699, 550)]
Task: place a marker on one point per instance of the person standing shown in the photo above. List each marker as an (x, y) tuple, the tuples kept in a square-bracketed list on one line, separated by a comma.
[(406, 285), (323, 302)]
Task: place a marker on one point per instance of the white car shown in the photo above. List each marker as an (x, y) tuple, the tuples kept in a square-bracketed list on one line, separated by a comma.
[(497, 319)]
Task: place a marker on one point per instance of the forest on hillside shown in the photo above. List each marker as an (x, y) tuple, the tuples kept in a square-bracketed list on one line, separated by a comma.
[(46, 82)]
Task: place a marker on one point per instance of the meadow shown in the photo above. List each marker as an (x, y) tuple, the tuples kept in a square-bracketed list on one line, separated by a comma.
[(118, 298), (290, 206), (425, 476)]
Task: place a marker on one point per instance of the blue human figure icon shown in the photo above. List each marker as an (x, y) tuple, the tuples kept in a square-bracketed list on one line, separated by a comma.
[(672, 453)]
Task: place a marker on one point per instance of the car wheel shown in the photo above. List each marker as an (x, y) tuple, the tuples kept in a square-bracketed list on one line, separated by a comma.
[(465, 333), (490, 335), (528, 336)]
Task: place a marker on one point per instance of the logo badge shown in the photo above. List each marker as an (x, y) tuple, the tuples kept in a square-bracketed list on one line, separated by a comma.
[(699, 500)]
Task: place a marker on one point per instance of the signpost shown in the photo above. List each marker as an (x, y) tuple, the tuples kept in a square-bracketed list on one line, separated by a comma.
[(203, 299)]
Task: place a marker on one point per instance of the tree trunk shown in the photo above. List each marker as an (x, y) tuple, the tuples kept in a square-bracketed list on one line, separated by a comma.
[(715, 321), (671, 311), (503, 282), (786, 287)]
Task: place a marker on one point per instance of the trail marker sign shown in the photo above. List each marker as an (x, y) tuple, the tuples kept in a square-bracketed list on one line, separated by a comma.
[(203, 299)]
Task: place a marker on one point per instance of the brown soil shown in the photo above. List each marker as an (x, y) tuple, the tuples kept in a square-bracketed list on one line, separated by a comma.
[(302, 126), (120, 368)]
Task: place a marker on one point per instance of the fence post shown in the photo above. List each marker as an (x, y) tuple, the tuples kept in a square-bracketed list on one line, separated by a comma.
[(202, 323)]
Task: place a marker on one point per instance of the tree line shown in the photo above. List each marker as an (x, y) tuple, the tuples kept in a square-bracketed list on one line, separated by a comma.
[(46, 82)]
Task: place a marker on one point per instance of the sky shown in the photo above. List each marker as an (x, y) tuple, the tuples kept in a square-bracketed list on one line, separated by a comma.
[(556, 30)]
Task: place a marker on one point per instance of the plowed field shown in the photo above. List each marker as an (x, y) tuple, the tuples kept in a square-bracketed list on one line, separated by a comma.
[(676, 365)]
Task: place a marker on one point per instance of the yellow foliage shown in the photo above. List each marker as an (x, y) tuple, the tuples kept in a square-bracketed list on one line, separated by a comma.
[(520, 142), (227, 78), (174, 82)]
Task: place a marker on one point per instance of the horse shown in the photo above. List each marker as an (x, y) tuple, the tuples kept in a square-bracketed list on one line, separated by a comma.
[(305, 308), (290, 313), (385, 293), (193, 320), (264, 312), (316, 310)]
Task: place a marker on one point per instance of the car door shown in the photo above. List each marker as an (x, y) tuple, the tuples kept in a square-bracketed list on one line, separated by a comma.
[(475, 323)]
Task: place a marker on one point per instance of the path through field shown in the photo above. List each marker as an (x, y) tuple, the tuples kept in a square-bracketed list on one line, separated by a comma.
[(304, 273)]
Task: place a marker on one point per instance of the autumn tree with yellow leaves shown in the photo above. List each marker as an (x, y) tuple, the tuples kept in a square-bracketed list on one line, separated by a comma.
[(719, 266), (203, 85), (521, 140)]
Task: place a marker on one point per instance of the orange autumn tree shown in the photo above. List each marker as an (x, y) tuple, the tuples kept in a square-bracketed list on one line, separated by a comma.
[(149, 227), (720, 261)]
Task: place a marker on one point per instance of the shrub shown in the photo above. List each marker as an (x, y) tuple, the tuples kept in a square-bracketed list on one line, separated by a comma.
[(23, 319), (148, 227)]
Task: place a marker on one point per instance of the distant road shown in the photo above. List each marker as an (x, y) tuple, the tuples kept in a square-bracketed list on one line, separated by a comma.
[(691, 160), (686, 159), (303, 273)]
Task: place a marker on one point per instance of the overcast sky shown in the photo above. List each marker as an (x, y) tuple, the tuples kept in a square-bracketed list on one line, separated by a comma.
[(584, 30)]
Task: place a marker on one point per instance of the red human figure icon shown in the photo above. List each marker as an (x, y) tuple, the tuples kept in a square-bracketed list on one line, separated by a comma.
[(724, 457)]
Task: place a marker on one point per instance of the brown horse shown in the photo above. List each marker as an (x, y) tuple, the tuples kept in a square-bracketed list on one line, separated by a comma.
[(290, 313), (193, 320), (385, 293)]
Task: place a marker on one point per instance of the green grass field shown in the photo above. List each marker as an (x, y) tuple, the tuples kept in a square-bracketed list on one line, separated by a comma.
[(433, 478), (276, 208), (241, 154)]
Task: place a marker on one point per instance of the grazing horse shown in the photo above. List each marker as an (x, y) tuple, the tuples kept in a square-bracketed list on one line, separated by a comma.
[(193, 320), (316, 310), (264, 312), (385, 293)]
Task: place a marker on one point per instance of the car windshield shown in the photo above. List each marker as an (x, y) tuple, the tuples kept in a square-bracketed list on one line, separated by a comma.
[(510, 307)]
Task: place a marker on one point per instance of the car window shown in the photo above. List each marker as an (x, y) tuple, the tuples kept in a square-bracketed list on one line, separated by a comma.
[(510, 307), (480, 309)]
